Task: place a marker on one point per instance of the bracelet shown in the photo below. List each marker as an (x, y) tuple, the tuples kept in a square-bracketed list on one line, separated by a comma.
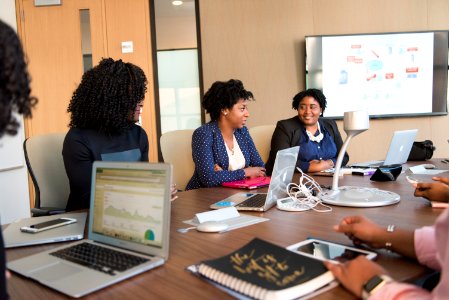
[(390, 228)]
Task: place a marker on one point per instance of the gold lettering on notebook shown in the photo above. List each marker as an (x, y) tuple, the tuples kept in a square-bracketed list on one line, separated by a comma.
[(265, 266)]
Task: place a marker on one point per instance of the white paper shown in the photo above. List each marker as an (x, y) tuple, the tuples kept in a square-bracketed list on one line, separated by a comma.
[(241, 220), (421, 170)]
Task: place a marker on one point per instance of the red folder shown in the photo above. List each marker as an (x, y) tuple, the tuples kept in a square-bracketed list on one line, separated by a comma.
[(249, 184)]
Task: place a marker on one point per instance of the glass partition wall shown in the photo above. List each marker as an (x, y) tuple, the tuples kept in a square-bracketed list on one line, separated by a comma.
[(177, 65)]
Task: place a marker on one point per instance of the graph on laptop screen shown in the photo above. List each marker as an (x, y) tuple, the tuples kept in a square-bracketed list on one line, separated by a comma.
[(129, 204)]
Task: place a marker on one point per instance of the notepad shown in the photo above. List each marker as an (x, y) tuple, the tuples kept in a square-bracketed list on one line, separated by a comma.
[(263, 270)]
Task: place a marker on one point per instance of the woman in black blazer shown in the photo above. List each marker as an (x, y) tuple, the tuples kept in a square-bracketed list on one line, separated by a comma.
[(318, 137)]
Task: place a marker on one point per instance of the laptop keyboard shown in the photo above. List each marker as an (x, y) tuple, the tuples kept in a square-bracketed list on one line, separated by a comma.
[(257, 200), (99, 258)]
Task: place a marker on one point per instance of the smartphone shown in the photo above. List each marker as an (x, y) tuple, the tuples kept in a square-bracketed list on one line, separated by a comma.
[(38, 227), (325, 250)]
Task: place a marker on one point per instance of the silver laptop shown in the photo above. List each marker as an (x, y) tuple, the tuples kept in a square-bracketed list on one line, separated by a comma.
[(284, 167), (13, 237), (400, 147), (129, 218)]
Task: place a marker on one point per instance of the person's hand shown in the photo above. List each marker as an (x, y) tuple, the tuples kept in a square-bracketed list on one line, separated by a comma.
[(173, 191), (441, 179), (217, 168), (355, 273), (433, 191), (320, 165), (7, 274), (361, 230), (252, 172)]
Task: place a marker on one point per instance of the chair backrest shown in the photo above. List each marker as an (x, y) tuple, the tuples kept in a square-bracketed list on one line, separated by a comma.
[(43, 156), (261, 136), (176, 148)]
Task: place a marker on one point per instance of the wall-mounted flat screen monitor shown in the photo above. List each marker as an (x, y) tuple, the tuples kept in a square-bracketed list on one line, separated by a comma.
[(387, 74)]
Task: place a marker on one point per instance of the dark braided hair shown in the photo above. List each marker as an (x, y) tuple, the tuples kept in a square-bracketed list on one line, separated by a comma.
[(222, 95), (107, 97), (14, 81), (315, 94)]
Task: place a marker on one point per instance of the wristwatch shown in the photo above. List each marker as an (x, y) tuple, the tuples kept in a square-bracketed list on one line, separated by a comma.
[(374, 284)]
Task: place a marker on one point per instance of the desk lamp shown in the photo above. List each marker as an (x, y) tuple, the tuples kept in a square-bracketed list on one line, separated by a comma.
[(355, 122)]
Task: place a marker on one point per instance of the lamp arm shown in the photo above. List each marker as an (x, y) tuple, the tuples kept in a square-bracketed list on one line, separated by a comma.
[(341, 154)]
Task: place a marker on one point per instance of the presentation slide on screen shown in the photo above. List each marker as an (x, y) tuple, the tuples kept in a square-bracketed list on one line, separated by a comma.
[(378, 72)]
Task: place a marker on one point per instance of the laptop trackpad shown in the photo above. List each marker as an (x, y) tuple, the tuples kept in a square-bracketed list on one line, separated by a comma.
[(55, 272)]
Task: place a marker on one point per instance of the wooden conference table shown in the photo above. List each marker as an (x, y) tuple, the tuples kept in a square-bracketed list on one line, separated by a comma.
[(172, 281)]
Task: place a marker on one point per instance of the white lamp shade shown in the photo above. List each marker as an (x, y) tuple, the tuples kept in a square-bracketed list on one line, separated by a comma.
[(356, 122)]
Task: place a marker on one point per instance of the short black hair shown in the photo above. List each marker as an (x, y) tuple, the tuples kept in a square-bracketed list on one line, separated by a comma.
[(15, 91), (222, 95), (314, 93), (106, 96)]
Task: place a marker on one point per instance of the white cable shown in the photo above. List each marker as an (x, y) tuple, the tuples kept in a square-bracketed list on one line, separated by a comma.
[(303, 193)]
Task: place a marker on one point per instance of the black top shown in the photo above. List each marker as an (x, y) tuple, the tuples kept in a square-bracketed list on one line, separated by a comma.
[(84, 146), (3, 293), (288, 133)]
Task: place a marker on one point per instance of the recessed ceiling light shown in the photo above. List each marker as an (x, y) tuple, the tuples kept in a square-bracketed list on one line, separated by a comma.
[(177, 2)]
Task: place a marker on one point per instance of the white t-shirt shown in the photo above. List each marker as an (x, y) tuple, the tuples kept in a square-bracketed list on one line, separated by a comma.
[(236, 158)]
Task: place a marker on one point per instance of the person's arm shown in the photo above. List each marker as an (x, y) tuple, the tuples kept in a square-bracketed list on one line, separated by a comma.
[(78, 166), (320, 165), (203, 157), (433, 191), (3, 271), (362, 230), (354, 274), (144, 145)]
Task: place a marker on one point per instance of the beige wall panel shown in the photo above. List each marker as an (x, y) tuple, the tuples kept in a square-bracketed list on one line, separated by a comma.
[(124, 24), (355, 16), (176, 32), (438, 12), (244, 40), (262, 43)]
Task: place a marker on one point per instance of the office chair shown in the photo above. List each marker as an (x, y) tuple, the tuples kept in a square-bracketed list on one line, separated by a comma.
[(176, 148), (261, 136), (43, 156)]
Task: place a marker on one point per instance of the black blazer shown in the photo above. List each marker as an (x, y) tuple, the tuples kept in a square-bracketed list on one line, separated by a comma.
[(288, 133)]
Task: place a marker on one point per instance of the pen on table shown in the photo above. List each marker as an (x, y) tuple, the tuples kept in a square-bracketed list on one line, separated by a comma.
[(444, 161)]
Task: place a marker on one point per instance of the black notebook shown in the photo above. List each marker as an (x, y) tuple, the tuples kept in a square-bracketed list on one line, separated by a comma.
[(262, 270)]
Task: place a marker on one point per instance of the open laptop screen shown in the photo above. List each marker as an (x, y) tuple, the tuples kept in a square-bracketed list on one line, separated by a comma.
[(129, 204)]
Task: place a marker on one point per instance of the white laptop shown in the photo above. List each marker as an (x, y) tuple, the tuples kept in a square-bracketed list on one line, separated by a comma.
[(400, 147), (284, 167), (129, 216), (13, 237)]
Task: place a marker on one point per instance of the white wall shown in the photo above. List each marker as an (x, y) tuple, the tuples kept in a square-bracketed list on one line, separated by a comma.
[(14, 195)]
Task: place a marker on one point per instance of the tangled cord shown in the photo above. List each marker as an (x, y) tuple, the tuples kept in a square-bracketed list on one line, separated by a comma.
[(304, 192)]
